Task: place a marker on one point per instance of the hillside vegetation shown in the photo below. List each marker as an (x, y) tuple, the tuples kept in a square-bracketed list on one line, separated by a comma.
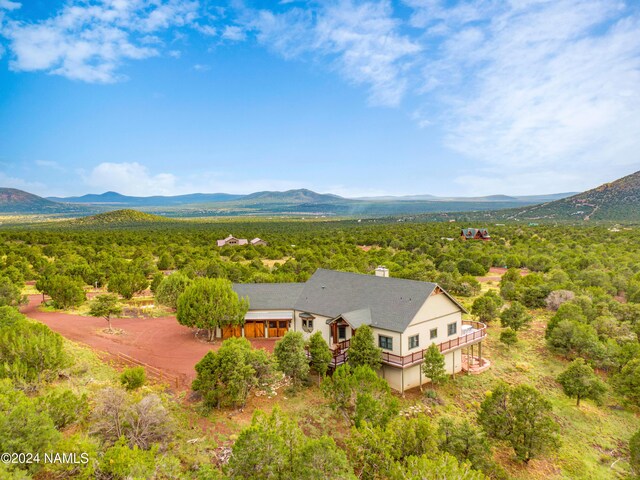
[(618, 201), (575, 292), (119, 218)]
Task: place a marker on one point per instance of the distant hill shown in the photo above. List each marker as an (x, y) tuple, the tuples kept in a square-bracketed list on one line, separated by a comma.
[(615, 201), (297, 202), (117, 199), (523, 199), (301, 195), (122, 217), (14, 201)]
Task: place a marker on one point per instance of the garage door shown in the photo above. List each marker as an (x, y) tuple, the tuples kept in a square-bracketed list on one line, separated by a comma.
[(231, 332), (254, 329)]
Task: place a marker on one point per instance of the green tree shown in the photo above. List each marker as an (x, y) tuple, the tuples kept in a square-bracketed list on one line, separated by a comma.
[(487, 307), (320, 354), (434, 467), (128, 284), (224, 378), (64, 407), (434, 366), (165, 262), (274, 447), (360, 395), (515, 317), (363, 350), (106, 306), (291, 357), (209, 304), (627, 382), (580, 381), (24, 427), (508, 336), (123, 461), (171, 288), (29, 352), (374, 450), (573, 339), (133, 378), (466, 442), (65, 292), (521, 416), (11, 293)]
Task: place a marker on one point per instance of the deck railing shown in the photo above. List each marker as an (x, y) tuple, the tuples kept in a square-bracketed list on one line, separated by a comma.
[(480, 331)]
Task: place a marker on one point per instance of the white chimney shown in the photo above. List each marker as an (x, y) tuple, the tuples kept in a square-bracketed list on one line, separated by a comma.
[(382, 271)]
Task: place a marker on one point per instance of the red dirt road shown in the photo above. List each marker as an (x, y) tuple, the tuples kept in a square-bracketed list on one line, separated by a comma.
[(159, 342)]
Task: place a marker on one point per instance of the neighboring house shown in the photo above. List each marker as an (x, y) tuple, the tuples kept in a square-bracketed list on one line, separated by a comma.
[(258, 241), (406, 317), (475, 234), (231, 240)]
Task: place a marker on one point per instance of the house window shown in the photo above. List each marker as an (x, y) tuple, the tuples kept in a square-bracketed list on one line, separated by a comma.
[(307, 324), (342, 332), (452, 328), (433, 333), (385, 342), (414, 341)]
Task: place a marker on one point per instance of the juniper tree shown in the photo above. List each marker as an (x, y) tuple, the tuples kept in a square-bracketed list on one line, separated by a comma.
[(291, 358), (434, 365), (363, 350), (515, 317), (209, 304), (580, 381), (106, 306), (320, 354)]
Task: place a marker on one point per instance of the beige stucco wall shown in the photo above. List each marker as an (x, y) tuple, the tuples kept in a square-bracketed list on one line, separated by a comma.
[(396, 339), (319, 324), (412, 377), (437, 312)]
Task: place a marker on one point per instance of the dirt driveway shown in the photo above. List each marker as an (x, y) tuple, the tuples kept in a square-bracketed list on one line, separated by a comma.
[(159, 342)]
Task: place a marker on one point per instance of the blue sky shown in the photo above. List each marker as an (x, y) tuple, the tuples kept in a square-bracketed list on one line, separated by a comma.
[(351, 97)]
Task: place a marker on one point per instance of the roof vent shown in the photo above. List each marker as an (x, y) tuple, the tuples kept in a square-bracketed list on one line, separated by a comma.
[(382, 271)]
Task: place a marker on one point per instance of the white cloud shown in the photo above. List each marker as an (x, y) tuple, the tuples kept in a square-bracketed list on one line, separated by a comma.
[(49, 164), (9, 181), (362, 38), (234, 33), (9, 5), (201, 67), (136, 179), (130, 179), (535, 86), (89, 42)]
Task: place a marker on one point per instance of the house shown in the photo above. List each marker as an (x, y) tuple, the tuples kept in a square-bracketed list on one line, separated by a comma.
[(406, 317), (258, 241), (231, 240), (475, 234)]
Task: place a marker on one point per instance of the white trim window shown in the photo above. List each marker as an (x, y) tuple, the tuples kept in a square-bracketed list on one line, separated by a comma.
[(385, 342), (452, 328)]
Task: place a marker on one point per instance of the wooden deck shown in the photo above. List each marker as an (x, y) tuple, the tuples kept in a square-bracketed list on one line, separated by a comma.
[(340, 351)]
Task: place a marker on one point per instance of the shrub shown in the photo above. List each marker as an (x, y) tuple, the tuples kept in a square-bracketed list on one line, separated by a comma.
[(133, 378), (64, 407), (509, 336)]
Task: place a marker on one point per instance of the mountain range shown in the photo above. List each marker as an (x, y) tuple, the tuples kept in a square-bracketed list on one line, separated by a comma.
[(298, 196), (618, 200)]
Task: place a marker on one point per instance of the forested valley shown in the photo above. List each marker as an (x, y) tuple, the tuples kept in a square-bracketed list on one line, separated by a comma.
[(561, 399)]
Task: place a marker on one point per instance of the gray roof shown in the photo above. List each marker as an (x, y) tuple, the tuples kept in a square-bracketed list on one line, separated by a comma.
[(382, 302), (393, 302), (269, 296), (355, 318)]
